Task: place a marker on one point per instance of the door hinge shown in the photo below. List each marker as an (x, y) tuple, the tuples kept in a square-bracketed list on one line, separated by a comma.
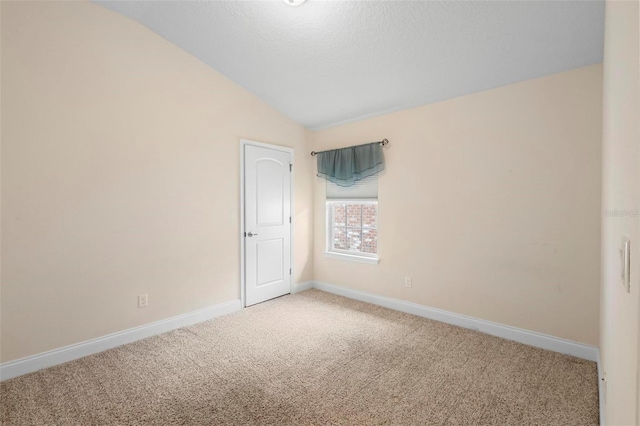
[(289, 219), (290, 167), (289, 271)]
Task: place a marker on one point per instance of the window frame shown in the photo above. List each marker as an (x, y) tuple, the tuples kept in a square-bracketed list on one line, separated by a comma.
[(359, 256)]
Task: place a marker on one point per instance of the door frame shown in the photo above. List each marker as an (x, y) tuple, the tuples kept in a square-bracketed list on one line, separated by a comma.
[(291, 152)]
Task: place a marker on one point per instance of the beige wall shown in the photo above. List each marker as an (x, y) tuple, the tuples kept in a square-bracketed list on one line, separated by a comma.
[(621, 191), (120, 172), (490, 202), (120, 176)]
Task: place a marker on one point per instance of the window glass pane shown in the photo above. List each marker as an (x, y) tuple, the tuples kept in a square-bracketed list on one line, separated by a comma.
[(370, 241), (340, 238), (354, 239), (354, 215), (339, 214), (369, 215), (353, 227)]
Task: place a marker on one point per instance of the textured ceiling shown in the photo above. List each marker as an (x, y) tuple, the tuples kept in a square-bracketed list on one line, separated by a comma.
[(327, 62)]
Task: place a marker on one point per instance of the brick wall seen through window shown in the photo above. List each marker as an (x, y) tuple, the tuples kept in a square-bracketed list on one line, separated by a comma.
[(354, 227)]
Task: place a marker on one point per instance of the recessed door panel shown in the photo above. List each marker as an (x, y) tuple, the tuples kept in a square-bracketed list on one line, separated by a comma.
[(270, 261), (270, 176)]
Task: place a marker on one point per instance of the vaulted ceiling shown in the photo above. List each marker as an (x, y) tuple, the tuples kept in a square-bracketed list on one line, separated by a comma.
[(329, 62)]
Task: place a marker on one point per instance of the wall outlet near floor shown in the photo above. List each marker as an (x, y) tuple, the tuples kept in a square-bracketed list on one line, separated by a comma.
[(143, 300), (407, 281)]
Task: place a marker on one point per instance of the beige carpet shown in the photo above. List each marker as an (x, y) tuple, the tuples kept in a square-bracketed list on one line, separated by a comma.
[(311, 358)]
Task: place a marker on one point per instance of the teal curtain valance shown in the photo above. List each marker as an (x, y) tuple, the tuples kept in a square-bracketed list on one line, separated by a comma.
[(346, 166)]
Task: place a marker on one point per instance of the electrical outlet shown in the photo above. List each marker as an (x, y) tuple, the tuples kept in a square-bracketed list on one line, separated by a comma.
[(407, 281), (143, 300)]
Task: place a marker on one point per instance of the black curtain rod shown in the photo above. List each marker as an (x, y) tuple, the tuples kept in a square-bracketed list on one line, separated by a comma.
[(383, 142)]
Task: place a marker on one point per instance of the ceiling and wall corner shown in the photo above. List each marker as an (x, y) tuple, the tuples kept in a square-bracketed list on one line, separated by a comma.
[(330, 62), (120, 177)]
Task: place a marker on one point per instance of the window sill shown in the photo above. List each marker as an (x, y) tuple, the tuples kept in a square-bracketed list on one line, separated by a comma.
[(352, 257)]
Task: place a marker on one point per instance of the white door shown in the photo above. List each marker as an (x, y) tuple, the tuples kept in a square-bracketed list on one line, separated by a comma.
[(267, 227)]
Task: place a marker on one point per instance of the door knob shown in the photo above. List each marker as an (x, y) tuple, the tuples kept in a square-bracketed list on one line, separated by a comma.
[(250, 234)]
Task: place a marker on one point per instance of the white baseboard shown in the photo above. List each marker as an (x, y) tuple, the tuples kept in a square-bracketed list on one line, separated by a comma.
[(33, 363), (298, 287), (16, 368), (527, 337), (601, 385)]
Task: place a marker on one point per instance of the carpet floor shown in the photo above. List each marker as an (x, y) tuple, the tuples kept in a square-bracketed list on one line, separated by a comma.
[(312, 358)]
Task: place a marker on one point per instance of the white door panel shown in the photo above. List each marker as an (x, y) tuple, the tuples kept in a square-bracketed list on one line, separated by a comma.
[(267, 223), (270, 184), (270, 261)]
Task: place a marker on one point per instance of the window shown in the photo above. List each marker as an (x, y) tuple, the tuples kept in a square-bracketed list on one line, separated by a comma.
[(352, 221)]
